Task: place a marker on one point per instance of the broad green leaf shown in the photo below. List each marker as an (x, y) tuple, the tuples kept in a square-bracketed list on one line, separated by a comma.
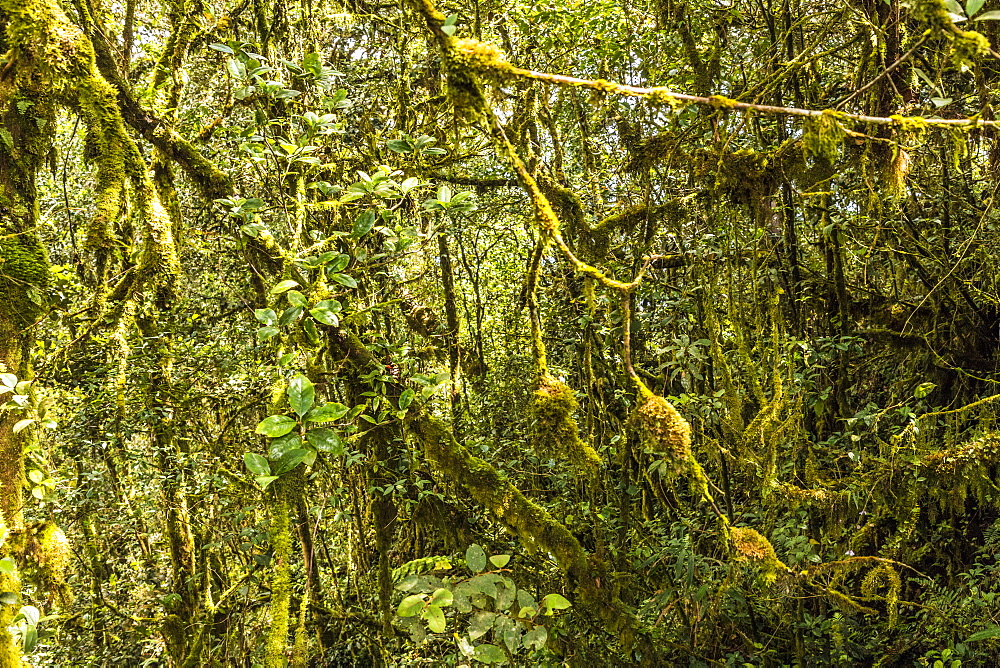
[(989, 16), (324, 316), (265, 333), (301, 394), (284, 286), (266, 316), (993, 632), (310, 329), (331, 305), (475, 558), (296, 298), (9, 380), (535, 638), (973, 6), (290, 460), (442, 598), (30, 614), (36, 476), (265, 480), (345, 280), (410, 605), (490, 654), (278, 447), (339, 263), (555, 602), (325, 440), (399, 146), (275, 425), (481, 624), (500, 560), (256, 464), (7, 566), (484, 584), (8, 598), (221, 47), (328, 412), (363, 224), (290, 315), (406, 398), (435, 618), (20, 425), (30, 639)]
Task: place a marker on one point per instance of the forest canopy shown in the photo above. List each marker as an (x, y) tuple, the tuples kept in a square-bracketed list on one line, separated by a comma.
[(550, 333)]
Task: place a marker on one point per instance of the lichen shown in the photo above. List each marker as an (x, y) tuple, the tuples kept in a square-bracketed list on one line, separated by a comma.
[(663, 96), (555, 432)]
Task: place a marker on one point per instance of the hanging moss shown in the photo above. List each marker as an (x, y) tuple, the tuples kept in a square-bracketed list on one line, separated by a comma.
[(967, 47), (823, 137), (24, 274), (555, 431), (886, 576), (46, 556), (665, 431)]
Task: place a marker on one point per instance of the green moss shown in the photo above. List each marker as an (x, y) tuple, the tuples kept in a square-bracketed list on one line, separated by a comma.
[(663, 96), (932, 12), (555, 432), (750, 546), (664, 431), (24, 275), (823, 136), (967, 47), (721, 102)]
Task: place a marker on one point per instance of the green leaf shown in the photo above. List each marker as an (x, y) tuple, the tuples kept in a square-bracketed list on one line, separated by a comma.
[(265, 480), (535, 638), (442, 598), (325, 440), (324, 316), (301, 394), (338, 264), (36, 476), (555, 602), (989, 16), (406, 398), (954, 7), (410, 605), (290, 460), (331, 305), (500, 560), (9, 380), (310, 329), (283, 287), (475, 558), (328, 412), (363, 224), (265, 333), (973, 6), (290, 315), (20, 425), (481, 624), (283, 444), (221, 47), (8, 598), (30, 639), (344, 279), (30, 614), (993, 632), (256, 464), (448, 30), (435, 618), (296, 298), (275, 425), (399, 146), (490, 654), (7, 566), (266, 316)]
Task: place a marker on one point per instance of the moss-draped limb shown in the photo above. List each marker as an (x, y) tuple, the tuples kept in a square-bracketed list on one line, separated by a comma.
[(536, 529)]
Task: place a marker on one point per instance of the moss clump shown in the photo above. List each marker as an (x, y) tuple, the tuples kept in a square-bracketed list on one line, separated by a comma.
[(483, 57), (967, 47), (24, 273), (48, 560), (823, 136), (722, 102), (932, 12), (750, 546), (421, 319), (665, 431), (663, 96), (884, 576), (555, 432)]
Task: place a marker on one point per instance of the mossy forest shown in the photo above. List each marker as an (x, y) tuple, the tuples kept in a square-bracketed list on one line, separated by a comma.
[(364, 333)]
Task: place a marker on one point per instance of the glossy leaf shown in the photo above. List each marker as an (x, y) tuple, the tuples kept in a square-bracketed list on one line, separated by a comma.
[(301, 394), (275, 425)]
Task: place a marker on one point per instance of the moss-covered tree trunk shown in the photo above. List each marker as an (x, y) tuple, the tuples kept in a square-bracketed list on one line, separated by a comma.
[(26, 124)]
